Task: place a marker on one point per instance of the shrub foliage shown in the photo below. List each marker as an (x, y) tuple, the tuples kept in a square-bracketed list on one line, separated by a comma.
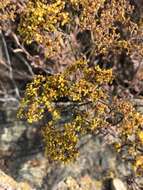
[(80, 98)]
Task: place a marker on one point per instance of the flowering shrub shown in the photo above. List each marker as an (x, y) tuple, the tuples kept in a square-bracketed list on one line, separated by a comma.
[(79, 98), (83, 93), (49, 22), (80, 91)]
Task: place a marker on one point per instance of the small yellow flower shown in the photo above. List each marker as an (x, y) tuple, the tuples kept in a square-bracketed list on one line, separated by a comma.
[(140, 135)]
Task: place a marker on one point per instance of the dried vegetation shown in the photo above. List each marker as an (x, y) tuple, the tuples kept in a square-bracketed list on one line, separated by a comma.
[(88, 57)]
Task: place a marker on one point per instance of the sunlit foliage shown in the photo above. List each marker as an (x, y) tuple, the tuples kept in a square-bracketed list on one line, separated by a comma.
[(110, 23), (79, 98), (82, 86)]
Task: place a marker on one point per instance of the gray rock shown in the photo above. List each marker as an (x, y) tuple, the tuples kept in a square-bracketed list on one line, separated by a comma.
[(10, 135), (117, 184), (83, 183), (33, 170), (8, 183)]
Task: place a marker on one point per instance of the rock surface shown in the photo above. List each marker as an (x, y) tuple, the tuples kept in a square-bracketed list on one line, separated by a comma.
[(8, 183), (117, 184), (22, 158), (85, 183)]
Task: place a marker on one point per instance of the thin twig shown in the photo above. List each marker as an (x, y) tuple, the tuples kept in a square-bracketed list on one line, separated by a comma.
[(9, 63)]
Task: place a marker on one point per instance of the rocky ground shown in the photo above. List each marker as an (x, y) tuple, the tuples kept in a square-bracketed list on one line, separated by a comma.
[(22, 158)]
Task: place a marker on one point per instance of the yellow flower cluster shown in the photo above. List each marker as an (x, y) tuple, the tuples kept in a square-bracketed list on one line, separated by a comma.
[(86, 112), (7, 12), (40, 22), (60, 145), (114, 28), (130, 132), (110, 23), (138, 164)]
